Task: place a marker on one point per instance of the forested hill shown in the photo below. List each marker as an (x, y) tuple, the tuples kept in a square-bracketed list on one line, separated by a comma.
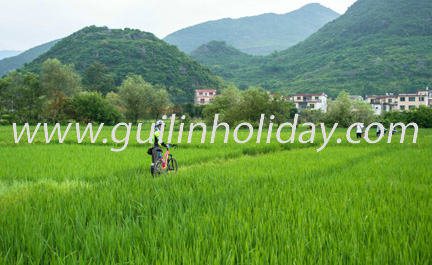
[(377, 46), (258, 35), (17, 61), (132, 51), (225, 60)]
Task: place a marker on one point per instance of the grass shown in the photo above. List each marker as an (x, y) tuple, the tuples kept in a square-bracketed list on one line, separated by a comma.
[(230, 204)]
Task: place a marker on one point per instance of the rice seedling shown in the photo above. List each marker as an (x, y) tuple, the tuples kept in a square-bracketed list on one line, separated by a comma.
[(230, 203)]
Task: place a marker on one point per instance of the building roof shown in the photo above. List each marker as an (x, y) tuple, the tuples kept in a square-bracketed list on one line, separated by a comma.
[(381, 96), (308, 95), (206, 90)]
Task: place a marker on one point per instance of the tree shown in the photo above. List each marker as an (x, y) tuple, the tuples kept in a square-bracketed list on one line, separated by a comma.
[(159, 102), (97, 78), (21, 97), (58, 78), (136, 96), (422, 116), (59, 82), (224, 105), (363, 112), (55, 110), (281, 108), (192, 110), (255, 101), (92, 107), (33, 97), (311, 115), (3, 86), (345, 111), (389, 117)]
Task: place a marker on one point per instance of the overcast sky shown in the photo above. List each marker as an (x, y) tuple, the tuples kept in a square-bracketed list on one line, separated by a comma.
[(28, 23)]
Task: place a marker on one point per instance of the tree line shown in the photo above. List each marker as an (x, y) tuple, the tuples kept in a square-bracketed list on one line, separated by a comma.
[(59, 94), (235, 106)]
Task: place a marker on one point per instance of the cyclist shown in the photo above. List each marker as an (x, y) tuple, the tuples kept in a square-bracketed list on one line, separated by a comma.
[(157, 143)]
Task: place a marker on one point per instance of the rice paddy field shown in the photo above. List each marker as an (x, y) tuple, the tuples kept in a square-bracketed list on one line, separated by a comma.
[(230, 203)]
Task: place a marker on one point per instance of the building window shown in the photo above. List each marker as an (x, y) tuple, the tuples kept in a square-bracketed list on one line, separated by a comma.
[(385, 107), (402, 107), (422, 99), (316, 98), (312, 106), (303, 105), (202, 100), (402, 99), (211, 93), (411, 99), (390, 100), (298, 98), (411, 107), (200, 93)]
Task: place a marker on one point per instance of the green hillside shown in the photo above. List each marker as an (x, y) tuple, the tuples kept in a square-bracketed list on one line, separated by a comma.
[(12, 63), (257, 35), (224, 59), (377, 46), (132, 51)]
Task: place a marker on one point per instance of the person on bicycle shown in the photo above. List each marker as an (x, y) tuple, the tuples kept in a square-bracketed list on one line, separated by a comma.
[(157, 143)]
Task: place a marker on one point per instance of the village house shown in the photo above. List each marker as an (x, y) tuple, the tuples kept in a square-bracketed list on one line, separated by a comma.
[(382, 103), (410, 101), (204, 96), (310, 101), (401, 102)]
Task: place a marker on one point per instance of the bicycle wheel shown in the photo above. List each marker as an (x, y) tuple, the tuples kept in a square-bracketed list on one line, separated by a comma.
[(172, 166), (158, 169)]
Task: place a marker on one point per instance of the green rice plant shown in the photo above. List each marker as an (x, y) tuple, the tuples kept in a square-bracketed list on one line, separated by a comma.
[(230, 203)]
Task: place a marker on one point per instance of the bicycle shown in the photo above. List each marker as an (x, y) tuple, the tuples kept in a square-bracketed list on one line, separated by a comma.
[(166, 164)]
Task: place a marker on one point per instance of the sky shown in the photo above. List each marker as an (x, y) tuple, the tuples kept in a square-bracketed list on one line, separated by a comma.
[(28, 23)]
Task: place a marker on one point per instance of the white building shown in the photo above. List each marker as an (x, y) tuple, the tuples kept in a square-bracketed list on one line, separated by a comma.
[(382, 103), (310, 101)]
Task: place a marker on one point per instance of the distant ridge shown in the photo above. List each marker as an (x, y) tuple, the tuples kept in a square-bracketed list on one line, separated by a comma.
[(8, 53), (258, 35), (12, 63)]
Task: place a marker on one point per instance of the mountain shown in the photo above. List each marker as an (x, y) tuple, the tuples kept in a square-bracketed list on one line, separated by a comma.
[(12, 63), (223, 58), (8, 53), (377, 46), (132, 51), (258, 35)]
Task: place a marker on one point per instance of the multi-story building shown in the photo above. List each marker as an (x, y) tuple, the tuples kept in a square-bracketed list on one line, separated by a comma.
[(401, 102), (381, 103), (410, 101), (204, 96), (310, 101)]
